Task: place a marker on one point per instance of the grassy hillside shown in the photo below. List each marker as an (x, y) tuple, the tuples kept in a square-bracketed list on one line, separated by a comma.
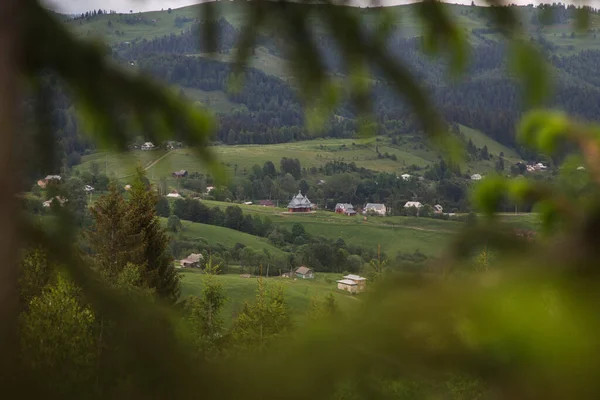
[(393, 234), (159, 23), (228, 237), (297, 292), (312, 153)]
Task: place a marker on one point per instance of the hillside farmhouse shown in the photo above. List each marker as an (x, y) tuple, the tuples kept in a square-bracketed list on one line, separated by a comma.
[(180, 174), (352, 283), (48, 180), (438, 209), (148, 146), (405, 177), (266, 203), (476, 177), (61, 201), (376, 208), (174, 194), (305, 273), (345, 208), (415, 204), (192, 261), (299, 203)]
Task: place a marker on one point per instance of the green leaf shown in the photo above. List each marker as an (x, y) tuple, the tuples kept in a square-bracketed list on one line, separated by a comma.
[(489, 193), (529, 66), (543, 129)]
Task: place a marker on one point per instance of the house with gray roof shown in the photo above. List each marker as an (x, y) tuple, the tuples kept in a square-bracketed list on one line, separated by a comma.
[(299, 203), (377, 208), (304, 273)]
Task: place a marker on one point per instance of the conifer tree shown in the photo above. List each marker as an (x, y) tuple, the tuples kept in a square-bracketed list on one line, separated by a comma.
[(111, 236), (263, 321), (204, 317), (159, 270)]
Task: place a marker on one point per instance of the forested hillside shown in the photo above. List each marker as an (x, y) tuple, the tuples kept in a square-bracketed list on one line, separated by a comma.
[(169, 46)]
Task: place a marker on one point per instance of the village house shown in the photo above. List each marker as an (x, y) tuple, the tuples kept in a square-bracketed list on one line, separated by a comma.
[(377, 208), (60, 200), (209, 188), (148, 146), (43, 183), (347, 285), (88, 188), (304, 273), (192, 261), (174, 194), (352, 283), (345, 208), (247, 203), (266, 203), (438, 209), (414, 204), (170, 145), (405, 177), (180, 174), (299, 203), (127, 187), (476, 177)]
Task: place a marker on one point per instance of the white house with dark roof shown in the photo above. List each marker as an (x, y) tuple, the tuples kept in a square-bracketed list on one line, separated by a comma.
[(405, 176), (377, 208)]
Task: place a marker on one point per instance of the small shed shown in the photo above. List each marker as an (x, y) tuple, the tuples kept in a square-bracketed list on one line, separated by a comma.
[(192, 261), (305, 273), (347, 285), (361, 283), (267, 203)]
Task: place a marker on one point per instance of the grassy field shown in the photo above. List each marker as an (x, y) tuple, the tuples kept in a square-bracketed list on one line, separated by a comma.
[(297, 292), (393, 234), (216, 101), (311, 153), (220, 235)]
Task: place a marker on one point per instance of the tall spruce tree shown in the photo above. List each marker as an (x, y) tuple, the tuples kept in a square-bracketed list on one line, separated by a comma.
[(154, 256), (111, 236)]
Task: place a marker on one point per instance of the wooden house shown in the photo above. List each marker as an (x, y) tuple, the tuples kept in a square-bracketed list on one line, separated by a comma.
[(299, 203), (304, 273), (192, 261), (345, 208)]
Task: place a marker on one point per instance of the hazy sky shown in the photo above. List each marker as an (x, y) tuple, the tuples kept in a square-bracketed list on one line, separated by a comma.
[(77, 6)]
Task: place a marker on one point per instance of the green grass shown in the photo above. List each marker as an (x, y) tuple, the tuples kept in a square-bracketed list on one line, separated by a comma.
[(393, 234), (228, 237), (297, 292), (216, 101), (480, 139), (311, 153)]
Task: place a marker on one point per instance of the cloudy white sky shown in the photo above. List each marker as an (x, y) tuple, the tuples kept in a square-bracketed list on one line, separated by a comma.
[(77, 6)]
